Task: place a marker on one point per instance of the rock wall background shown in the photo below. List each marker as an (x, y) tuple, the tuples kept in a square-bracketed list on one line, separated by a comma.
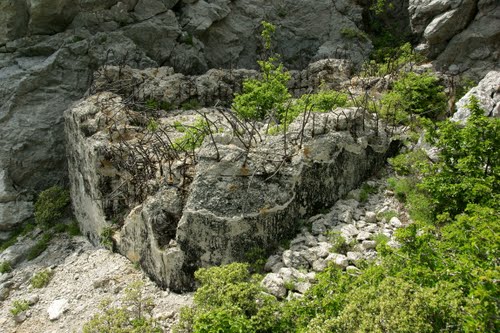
[(50, 48)]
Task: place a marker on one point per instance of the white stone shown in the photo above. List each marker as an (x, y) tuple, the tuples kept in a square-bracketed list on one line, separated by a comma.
[(354, 256), (363, 235), (274, 284), (395, 222), (371, 217), (319, 265), (57, 308), (339, 259), (369, 244)]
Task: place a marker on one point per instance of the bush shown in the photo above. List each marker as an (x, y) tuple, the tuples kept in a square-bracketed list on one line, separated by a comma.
[(229, 299), (468, 170), (5, 267), (42, 278), (106, 238), (414, 95), (267, 95), (395, 305), (50, 205), (365, 192), (133, 317), (338, 242), (193, 135), (19, 306)]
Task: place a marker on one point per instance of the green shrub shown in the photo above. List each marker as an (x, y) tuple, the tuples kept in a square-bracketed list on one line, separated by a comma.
[(354, 34), (40, 246), (106, 238), (261, 97), (191, 104), (193, 135), (365, 192), (5, 267), (414, 95), (468, 170), (229, 299), (389, 60), (338, 242), (133, 317), (256, 257), (50, 205), (158, 105), (42, 278), (19, 306), (398, 306)]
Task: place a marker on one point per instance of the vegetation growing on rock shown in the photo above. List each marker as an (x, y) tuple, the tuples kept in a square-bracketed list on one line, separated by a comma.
[(442, 279), (50, 205)]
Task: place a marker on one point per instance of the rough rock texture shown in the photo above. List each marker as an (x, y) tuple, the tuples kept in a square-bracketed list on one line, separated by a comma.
[(83, 276), (49, 48), (177, 212), (463, 33), (488, 94), (313, 251)]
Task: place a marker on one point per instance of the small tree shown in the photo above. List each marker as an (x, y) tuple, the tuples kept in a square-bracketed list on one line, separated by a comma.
[(265, 95), (50, 205)]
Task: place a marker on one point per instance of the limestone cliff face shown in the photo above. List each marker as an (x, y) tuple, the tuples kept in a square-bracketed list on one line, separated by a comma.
[(50, 48), (461, 35)]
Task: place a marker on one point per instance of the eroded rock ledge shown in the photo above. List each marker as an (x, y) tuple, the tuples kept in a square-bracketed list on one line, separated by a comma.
[(174, 211)]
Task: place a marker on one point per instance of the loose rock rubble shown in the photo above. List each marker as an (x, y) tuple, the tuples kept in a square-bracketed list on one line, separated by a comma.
[(344, 236), (83, 277)]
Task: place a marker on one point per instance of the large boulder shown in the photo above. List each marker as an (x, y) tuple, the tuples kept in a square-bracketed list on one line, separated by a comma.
[(49, 49), (487, 93), (173, 212), (463, 33)]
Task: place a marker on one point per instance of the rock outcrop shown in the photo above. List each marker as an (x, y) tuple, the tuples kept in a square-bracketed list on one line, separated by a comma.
[(487, 93), (462, 33), (50, 48), (174, 210)]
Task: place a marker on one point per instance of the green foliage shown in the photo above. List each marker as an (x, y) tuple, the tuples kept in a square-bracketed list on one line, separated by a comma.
[(71, 228), (158, 105), (394, 305), (191, 104), (40, 246), (414, 95), (256, 258), (19, 306), (354, 34), (229, 299), (50, 205), (390, 60), (365, 192), (468, 170), (338, 242), (266, 95), (268, 30), (388, 214), (42, 278), (133, 317), (5, 267), (193, 135), (19, 231), (443, 278), (106, 238)]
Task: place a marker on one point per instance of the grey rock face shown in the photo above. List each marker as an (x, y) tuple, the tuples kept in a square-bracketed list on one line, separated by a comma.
[(49, 48), (462, 33), (235, 202), (488, 94)]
